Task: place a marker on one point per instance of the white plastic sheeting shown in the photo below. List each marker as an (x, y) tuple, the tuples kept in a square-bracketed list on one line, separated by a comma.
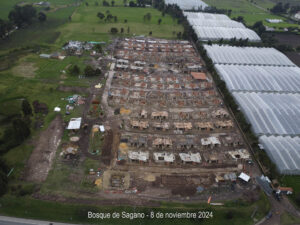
[(260, 78), (208, 26), (226, 33), (187, 4), (247, 56), (271, 113), (215, 23), (284, 152), (206, 16)]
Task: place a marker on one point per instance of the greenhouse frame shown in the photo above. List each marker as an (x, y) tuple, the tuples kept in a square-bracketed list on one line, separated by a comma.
[(260, 78), (226, 54), (284, 152), (271, 113)]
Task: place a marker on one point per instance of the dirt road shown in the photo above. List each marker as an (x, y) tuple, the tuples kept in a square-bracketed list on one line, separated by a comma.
[(41, 159)]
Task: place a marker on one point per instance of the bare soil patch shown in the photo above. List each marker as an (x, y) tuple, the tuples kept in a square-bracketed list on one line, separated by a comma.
[(41, 159), (73, 89), (25, 69)]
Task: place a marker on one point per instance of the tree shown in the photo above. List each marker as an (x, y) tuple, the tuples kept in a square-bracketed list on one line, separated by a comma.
[(109, 17), (179, 35), (89, 71), (132, 4), (100, 15), (159, 21), (105, 3), (21, 130), (259, 27), (163, 13), (5, 27), (98, 48), (122, 30), (98, 72), (147, 17), (26, 108), (112, 3), (22, 15), (42, 17), (113, 30), (74, 70), (3, 182)]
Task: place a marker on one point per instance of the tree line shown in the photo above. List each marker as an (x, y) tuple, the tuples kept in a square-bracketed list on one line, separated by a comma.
[(14, 135), (19, 17)]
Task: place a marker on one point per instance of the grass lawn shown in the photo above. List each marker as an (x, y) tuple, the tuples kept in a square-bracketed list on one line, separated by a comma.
[(86, 25), (29, 208), (294, 182), (287, 219)]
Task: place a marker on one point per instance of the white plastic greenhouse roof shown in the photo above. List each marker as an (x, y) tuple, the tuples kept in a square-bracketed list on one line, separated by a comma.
[(215, 23), (260, 78), (226, 33), (247, 56), (271, 113), (206, 16), (209, 26), (284, 152), (187, 4)]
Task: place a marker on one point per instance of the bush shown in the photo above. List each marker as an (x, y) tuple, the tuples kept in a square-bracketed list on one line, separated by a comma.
[(26, 189)]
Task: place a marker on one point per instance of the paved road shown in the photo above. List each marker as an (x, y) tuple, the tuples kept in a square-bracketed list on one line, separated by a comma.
[(4, 220)]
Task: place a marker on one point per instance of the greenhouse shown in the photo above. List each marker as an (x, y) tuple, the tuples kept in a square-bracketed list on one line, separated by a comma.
[(271, 113), (284, 152), (187, 5), (260, 78), (215, 23), (206, 16), (247, 56), (226, 33)]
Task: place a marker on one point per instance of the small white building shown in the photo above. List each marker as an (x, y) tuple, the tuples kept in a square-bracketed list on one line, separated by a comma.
[(74, 124)]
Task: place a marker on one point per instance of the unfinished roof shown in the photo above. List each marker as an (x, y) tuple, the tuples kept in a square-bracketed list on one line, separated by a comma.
[(190, 157), (159, 114), (140, 156), (204, 125), (164, 156), (162, 141), (210, 141), (185, 126), (199, 76), (239, 154), (140, 124)]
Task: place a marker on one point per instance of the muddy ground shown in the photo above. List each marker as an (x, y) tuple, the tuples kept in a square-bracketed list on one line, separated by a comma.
[(42, 157)]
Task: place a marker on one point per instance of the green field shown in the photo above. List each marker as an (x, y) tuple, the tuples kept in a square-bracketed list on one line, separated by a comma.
[(252, 12)]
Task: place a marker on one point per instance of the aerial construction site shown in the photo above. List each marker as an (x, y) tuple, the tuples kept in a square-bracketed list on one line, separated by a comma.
[(169, 125)]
